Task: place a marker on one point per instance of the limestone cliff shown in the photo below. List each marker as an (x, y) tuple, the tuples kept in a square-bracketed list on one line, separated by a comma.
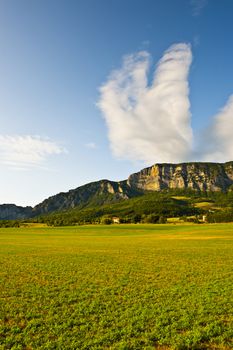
[(196, 176)]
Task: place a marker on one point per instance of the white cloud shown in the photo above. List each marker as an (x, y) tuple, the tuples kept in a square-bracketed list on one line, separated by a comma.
[(198, 6), (218, 139), (150, 123), (24, 152)]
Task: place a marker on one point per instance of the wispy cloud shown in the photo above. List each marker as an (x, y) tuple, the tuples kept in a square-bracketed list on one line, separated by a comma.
[(25, 152), (149, 122), (91, 145), (198, 6), (196, 41)]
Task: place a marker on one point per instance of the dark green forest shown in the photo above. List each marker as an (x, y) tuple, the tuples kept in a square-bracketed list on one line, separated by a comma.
[(153, 207)]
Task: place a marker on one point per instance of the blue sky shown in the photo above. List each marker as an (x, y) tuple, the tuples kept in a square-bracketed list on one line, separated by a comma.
[(63, 122)]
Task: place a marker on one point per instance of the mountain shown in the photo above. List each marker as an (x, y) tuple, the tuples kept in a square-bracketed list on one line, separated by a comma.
[(213, 177), (93, 194), (196, 176), (14, 212)]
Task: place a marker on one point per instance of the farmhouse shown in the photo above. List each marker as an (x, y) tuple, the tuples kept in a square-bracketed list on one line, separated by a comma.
[(204, 218), (116, 220)]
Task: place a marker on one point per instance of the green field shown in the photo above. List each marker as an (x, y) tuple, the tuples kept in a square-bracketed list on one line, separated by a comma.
[(117, 287)]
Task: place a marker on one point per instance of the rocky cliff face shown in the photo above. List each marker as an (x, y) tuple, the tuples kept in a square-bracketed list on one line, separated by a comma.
[(94, 193), (196, 176)]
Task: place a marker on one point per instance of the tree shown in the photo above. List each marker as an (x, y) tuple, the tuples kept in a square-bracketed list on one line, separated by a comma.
[(136, 218), (106, 221), (152, 219), (162, 220)]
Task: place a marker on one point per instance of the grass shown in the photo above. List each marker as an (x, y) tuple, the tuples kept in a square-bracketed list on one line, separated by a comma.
[(181, 197), (117, 287), (204, 205)]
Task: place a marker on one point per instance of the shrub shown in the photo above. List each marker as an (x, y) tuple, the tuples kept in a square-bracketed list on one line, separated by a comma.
[(106, 221)]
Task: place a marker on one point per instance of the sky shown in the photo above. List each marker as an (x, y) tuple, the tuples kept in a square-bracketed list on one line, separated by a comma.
[(99, 89)]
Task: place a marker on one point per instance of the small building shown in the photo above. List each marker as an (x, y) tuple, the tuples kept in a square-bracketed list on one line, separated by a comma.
[(204, 218), (116, 220)]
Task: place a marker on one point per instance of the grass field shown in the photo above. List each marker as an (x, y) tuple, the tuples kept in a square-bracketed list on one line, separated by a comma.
[(117, 287)]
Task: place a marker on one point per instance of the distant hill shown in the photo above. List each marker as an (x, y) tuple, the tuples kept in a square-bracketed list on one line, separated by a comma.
[(92, 194), (195, 176), (14, 212)]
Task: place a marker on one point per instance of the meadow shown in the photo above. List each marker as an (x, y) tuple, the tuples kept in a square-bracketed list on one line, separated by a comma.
[(117, 287)]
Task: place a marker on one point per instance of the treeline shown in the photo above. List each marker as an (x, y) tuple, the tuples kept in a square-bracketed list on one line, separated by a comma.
[(108, 220), (220, 216), (10, 223), (151, 208)]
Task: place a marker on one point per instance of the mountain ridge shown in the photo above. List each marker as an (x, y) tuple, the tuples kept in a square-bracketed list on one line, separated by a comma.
[(197, 176)]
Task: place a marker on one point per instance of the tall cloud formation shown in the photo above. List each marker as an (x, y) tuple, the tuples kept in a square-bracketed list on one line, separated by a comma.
[(150, 122), (25, 152), (218, 145)]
